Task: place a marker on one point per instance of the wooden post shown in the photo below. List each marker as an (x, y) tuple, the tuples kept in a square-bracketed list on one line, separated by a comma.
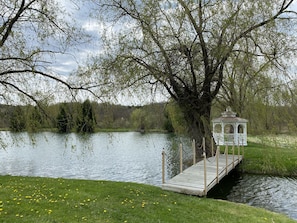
[(205, 174), (226, 154), (217, 158), (233, 155), (203, 144), (163, 167), (194, 151), (181, 158), (242, 149), (238, 153), (212, 152)]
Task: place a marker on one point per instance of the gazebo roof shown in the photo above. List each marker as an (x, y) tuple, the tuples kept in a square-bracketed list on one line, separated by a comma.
[(229, 116)]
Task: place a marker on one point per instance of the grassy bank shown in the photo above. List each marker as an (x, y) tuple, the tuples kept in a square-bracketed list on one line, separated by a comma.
[(27, 199), (269, 155)]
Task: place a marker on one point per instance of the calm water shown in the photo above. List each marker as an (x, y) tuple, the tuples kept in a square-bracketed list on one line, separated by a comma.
[(273, 193), (130, 157), (278, 194)]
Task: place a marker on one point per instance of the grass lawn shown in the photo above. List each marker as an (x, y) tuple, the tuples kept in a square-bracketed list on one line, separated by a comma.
[(29, 199), (269, 155)]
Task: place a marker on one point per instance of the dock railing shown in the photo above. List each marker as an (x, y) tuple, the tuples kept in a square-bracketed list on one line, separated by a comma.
[(216, 155)]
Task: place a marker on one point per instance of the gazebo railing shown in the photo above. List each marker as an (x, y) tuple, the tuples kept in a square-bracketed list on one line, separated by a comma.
[(230, 139)]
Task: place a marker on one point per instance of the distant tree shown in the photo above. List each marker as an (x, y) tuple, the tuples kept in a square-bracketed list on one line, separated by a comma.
[(35, 119), (86, 119), (17, 119), (139, 119), (168, 123), (64, 120)]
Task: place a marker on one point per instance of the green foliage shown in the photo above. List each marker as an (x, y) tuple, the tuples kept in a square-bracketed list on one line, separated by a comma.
[(271, 155), (149, 117), (157, 117), (27, 199), (35, 119), (139, 119), (176, 118), (106, 116), (168, 123), (86, 120), (64, 119), (17, 119)]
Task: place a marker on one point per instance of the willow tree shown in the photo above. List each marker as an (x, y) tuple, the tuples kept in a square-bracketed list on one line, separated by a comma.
[(33, 34), (184, 47)]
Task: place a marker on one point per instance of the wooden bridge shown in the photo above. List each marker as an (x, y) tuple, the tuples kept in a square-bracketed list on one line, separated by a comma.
[(203, 175)]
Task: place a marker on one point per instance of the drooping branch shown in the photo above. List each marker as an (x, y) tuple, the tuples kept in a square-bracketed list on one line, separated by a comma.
[(10, 22)]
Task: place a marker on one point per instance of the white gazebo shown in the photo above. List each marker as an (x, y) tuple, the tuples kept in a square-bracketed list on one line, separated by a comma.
[(229, 129)]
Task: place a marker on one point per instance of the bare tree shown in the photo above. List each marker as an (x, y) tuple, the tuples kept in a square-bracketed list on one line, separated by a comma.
[(186, 46)]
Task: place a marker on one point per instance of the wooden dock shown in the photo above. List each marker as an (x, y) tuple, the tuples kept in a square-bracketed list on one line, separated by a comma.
[(204, 175)]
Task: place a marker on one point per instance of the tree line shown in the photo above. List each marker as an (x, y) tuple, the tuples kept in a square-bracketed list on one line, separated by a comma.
[(86, 117), (89, 117)]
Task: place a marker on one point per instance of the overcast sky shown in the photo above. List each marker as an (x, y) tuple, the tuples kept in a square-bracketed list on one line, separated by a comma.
[(69, 62)]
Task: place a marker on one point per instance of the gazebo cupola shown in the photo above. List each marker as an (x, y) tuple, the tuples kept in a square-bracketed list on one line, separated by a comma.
[(229, 129)]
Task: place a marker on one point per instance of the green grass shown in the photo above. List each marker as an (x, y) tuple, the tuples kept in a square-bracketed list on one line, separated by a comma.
[(272, 156), (28, 199)]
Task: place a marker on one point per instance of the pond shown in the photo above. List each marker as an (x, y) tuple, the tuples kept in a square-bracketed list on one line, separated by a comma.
[(130, 157)]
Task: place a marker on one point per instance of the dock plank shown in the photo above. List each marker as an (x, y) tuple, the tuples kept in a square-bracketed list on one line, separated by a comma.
[(191, 180)]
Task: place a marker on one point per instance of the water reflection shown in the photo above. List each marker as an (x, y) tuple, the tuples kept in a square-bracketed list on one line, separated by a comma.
[(106, 156)]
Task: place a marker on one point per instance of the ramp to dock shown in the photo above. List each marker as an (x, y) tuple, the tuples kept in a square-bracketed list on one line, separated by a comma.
[(204, 175)]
